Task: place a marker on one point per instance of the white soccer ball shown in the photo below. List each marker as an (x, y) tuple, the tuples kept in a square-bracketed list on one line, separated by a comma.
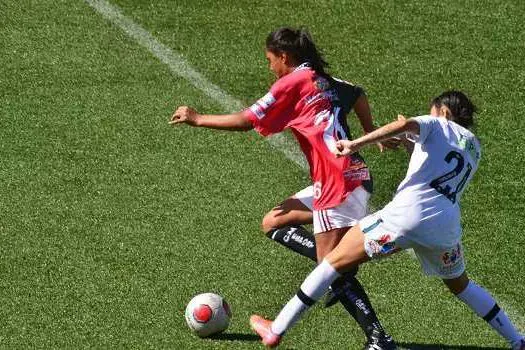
[(208, 314)]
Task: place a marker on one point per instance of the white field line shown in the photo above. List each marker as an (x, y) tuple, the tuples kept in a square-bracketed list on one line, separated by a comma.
[(178, 66)]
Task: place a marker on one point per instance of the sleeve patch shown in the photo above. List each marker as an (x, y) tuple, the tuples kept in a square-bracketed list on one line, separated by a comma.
[(259, 108)]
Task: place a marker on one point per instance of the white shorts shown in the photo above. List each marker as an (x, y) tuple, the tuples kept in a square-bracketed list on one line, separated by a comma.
[(383, 239), (306, 196), (346, 214)]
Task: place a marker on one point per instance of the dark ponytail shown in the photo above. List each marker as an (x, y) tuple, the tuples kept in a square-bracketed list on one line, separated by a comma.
[(299, 45), (460, 106)]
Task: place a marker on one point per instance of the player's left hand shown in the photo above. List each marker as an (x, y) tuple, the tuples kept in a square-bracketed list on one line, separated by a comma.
[(392, 143), (345, 147), (184, 114)]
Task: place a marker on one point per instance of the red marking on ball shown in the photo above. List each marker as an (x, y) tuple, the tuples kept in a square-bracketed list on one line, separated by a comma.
[(202, 313)]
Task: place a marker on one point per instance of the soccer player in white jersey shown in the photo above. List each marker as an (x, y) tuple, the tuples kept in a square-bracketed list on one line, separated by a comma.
[(424, 215)]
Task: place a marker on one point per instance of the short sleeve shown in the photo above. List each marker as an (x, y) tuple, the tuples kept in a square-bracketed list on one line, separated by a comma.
[(348, 94), (427, 123), (274, 112)]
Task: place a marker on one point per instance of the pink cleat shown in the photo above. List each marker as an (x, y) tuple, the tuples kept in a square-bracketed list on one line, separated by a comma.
[(262, 327)]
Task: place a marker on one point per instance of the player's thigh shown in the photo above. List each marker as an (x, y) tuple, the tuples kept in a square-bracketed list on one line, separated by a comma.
[(330, 225), (325, 242), (295, 210), (345, 215), (372, 238), (350, 251)]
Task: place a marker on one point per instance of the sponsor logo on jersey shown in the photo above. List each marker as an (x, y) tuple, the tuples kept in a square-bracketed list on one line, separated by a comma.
[(322, 83), (321, 117), (357, 174), (329, 95), (466, 143), (311, 99)]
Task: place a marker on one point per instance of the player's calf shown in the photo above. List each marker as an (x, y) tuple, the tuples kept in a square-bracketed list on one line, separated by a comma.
[(355, 300), (484, 305)]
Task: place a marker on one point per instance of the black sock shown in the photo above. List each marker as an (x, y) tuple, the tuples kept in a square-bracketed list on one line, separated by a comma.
[(296, 238), (355, 300)]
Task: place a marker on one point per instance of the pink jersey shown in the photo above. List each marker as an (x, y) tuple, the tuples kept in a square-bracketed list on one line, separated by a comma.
[(307, 104)]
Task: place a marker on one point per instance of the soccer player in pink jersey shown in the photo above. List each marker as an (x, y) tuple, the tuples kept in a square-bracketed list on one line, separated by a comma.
[(314, 106)]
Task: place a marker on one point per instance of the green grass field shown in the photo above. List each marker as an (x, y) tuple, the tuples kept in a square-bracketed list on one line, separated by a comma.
[(111, 220)]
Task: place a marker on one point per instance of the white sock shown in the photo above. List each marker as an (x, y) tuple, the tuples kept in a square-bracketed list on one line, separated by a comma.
[(312, 289), (482, 303)]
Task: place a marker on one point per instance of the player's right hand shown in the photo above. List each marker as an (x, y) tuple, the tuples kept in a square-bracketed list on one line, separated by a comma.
[(184, 114), (345, 147)]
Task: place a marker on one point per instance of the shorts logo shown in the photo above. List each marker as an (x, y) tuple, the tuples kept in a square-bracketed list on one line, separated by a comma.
[(382, 246), (384, 239), (372, 248), (386, 243), (451, 256)]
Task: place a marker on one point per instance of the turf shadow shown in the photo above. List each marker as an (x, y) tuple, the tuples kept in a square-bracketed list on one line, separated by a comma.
[(235, 337), (414, 346)]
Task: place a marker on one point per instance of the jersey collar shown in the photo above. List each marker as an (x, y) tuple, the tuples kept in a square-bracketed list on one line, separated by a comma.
[(302, 66)]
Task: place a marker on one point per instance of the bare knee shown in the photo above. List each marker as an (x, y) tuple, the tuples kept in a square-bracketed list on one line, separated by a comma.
[(290, 212), (458, 284), (269, 222)]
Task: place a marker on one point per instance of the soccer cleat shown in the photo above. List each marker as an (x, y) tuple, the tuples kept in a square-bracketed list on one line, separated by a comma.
[(380, 341), (330, 298), (262, 327)]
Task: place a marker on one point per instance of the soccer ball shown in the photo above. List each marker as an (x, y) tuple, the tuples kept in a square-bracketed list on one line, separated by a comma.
[(208, 314)]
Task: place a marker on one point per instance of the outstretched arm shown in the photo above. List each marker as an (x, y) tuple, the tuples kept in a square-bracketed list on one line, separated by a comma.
[(236, 121), (407, 143), (345, 147), (362, 110)]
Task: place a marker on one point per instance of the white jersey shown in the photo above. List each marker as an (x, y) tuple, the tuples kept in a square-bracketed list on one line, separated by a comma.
[(426, 204)]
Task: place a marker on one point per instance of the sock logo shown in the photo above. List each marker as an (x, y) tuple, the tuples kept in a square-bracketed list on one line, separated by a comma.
[(360, 304), (288, 234), (296, 237)]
